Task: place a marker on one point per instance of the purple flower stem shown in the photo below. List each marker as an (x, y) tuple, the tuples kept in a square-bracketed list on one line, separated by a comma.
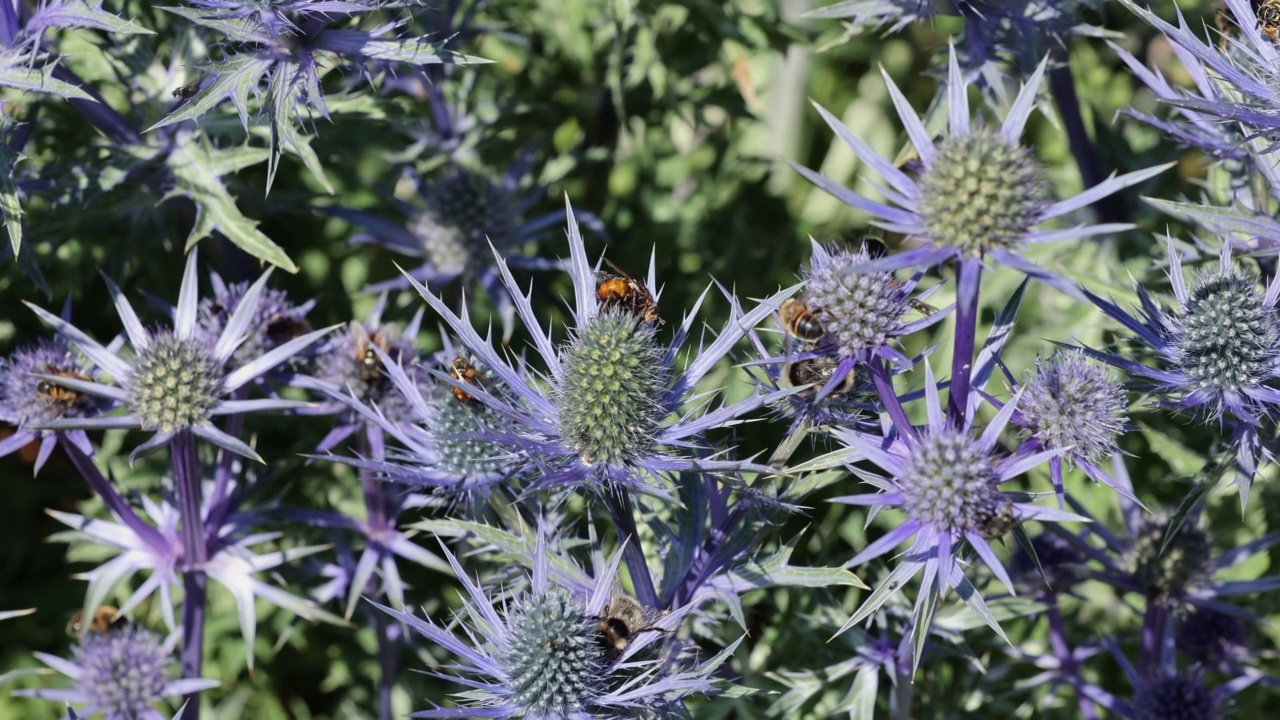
[(1066, 658), (1151, 655), (888, 398), (112, 499), (968, 273), (218, 503), (195, 554), (98, 112), (370, 444), (1063, 87), (624, 522)]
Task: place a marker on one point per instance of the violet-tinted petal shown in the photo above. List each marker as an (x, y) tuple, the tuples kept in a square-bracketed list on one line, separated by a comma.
[(1106, 187), (1014, 123)]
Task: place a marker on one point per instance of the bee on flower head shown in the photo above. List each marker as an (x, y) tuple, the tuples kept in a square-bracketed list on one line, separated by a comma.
[(366, 357), (623, 619), (1268, 12), (623, 291), (56, 393), (460, 369), (102, 620), (797, 320)]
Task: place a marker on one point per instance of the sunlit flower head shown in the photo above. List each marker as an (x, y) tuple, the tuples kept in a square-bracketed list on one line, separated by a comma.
[(562, 648), (946, 482), (121, 673), (612, 406), (979, 193), (175, 380)]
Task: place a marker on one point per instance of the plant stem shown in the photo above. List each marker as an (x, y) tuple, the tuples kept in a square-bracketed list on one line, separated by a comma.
[(968, 274), (195, 554), (1066, 658), (369, 444), (624, 523)]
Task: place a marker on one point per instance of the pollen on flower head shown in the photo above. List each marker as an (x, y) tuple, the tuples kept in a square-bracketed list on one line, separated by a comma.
[(1073, 402), (1226, 335), (981, 193), (607, 394), (465, 211), (552, 665), (123, 671), (27, 400), (949, 481), (1177, 697), (1185, 563), (859, 311), (175, 383)]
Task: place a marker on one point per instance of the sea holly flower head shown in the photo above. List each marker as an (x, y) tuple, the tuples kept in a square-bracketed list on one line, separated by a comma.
[(544, 652), (175, 380), (978, 193), (946, 481), (29, 402), (276, 321), (1218, 349), (120, 673), (1212, 637), (602, 412)]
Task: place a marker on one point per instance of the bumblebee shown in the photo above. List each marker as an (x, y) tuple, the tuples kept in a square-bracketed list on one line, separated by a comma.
[(798, 320), (815, 372), (462, 371), (57, 393), (104, 618), (999, 523), (1269, 18), (281, 329), (622, 620), (623, 291)]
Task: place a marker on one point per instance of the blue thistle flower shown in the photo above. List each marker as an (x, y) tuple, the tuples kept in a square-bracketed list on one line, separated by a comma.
[(175, 380), (1219, 351), (1073, 404), (276, 321), (601, 413), (29, 402), (120, 673), (978, 194), (546, 654), (1212, 638), (946, 481)]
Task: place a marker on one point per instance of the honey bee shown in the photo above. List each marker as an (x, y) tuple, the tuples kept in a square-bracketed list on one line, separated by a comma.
[(622, 621), (186, 92), (623, 291), (1269, 18), (369, 365), (798, 320), (462, 371), (57, 393), (815, 372), (999, 523), (104, 618)]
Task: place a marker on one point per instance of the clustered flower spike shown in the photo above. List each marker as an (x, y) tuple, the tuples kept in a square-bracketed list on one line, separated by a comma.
[(176, 380), (120, 673), (612, 407), (946, 480), (978, 193), (544, 654), (1219, 351)]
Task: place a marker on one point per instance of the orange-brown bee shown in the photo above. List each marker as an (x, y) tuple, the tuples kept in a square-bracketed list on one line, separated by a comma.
[(186, 92), (798, 320), (623, 291), (462, 371), (56, 392), (1269, 18), (816, 372), (104, 618)]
